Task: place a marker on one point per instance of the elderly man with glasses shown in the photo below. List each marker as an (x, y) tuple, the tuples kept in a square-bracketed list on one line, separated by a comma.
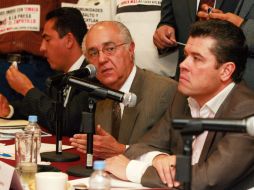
[(109, 46)]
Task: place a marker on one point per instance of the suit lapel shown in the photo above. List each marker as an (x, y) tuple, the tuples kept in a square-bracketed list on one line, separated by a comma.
[(73, 89), (245, 8), (228, 109), (218, 4), (193, 9), (130, 114)]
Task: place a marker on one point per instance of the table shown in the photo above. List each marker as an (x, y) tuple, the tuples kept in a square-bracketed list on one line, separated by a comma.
[(63, 166)]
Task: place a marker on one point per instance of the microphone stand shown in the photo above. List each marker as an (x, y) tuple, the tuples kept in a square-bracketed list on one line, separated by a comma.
[(58, 155), (88, 127), (183, 162)]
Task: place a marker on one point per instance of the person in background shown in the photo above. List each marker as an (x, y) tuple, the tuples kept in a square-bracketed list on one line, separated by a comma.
[(109, 46), (61, 45), (141, 19), (211, 75)]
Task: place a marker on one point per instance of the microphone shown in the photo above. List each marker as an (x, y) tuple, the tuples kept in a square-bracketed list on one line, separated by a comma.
[(61, 79), (88, 71), (128, 99), (233, 125)]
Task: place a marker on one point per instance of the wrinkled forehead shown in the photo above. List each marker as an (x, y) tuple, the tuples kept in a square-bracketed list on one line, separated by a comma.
[(200, 45), (102, 34)]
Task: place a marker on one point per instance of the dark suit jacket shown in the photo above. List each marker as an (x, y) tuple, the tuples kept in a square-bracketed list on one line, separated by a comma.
[(154, 93), (246, 11), (227, 159), (38, 103)]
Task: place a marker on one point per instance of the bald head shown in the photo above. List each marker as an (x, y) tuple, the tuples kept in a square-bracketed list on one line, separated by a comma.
[(121, 29)]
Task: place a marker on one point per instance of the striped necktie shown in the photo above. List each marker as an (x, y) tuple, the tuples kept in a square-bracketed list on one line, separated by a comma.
[(116, 119)]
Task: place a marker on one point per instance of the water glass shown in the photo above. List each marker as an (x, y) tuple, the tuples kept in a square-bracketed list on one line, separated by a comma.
[(26, 158)]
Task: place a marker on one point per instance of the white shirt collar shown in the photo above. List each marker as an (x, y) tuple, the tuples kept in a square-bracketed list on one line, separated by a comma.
[(77, 64), (127, 85), (210, 108), (74, 67)]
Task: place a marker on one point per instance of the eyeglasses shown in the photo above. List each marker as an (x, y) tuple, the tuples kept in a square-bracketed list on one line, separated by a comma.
[(108, 49)]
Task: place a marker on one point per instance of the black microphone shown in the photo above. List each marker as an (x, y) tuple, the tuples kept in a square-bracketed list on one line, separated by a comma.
[(61, 79), (128, 99), (233, 125)]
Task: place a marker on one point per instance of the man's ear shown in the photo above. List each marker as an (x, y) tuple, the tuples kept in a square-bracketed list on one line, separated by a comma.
[(132, 49), (226, 70), (69, 40)]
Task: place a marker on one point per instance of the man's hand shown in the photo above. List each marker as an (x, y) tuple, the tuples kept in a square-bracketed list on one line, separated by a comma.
[(18, 81), (164, 37), (117, 166), (104, 145), (79, 142), (4, 106), (165, 166), (203, 12), (218, 14)]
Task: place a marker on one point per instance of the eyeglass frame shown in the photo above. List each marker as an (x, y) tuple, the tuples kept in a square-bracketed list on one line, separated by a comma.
[(104, 50)]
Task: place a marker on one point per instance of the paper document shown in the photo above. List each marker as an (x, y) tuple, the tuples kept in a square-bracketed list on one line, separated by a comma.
[(9, 133), (7, 123), (115, 183), (6, 134), (45, 147)]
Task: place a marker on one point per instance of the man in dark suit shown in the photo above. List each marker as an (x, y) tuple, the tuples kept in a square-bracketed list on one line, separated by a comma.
[(178, 15), (62, 38), (110, 47), (210, 75)]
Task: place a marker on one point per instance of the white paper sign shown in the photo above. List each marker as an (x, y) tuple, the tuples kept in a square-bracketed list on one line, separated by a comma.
[(123, 3), (93, 12), (9, 177), (20, 18)]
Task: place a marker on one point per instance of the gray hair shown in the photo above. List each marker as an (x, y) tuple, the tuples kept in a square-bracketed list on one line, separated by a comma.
[(123, 32)]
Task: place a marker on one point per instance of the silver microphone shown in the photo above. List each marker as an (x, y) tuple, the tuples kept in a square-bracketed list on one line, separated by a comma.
[(226, 125), (128, 99)]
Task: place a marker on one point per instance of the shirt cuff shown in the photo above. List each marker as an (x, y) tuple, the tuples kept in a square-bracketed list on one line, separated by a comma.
[(148, 157), (11, 112), (135, 170)]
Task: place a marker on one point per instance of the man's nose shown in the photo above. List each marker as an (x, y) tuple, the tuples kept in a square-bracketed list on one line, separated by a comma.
[(42, 47), (184, 63), (102, 57)]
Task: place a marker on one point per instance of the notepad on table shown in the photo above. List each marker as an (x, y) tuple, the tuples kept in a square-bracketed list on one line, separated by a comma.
[(8, 123)]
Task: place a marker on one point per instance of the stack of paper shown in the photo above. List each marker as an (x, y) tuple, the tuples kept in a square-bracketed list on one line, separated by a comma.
[(7, 123), (8, 128)]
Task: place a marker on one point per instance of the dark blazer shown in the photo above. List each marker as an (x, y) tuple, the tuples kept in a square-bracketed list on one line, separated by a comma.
[(38, 103), (154, 94), (227, 159), (246, 11)]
